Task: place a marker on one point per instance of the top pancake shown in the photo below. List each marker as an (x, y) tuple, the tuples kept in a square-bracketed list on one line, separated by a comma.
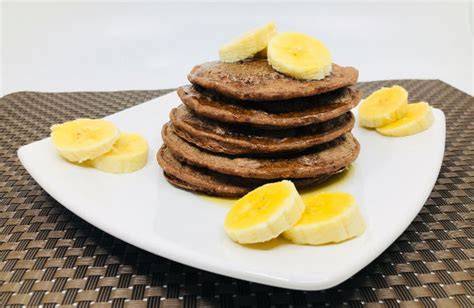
[(256, 80)]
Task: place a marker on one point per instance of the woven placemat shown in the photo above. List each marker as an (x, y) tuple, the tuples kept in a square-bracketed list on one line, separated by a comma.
[(50, 257)]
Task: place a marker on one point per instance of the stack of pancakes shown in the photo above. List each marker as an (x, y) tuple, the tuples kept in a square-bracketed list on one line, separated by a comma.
[(243, 124)]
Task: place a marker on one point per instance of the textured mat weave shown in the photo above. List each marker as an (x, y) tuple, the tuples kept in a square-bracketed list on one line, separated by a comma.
[(50, 257)]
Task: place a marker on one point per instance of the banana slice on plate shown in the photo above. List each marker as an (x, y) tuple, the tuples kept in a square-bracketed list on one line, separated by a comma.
[(129, 153), (299, 56), (419, 116), (83, 139), (383, 107), (248, 44), (330, 217), (264, 213)]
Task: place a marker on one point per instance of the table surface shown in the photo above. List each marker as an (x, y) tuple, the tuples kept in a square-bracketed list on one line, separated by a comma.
[(97, 46), (50, 256)]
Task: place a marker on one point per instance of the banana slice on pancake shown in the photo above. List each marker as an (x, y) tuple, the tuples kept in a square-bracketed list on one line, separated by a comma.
[(247, 45), (299, 55)]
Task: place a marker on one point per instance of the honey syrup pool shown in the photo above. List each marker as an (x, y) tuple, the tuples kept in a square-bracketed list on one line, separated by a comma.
[(330, 185)]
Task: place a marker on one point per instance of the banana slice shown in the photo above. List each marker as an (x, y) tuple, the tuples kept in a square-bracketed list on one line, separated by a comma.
[(83, 139), (129, 153), (299, 55), (328, 218), (248, 44), (264, 213), (419, 117), (383, 106)]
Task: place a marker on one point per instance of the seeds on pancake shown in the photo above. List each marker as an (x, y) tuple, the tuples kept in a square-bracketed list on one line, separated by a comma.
[(304, 160)]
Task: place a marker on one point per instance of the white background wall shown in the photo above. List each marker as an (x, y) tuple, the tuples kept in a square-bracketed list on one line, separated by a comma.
[(112, 46)]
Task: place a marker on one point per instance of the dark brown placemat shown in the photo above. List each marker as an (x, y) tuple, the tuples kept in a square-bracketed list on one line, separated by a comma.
[(49, 256)]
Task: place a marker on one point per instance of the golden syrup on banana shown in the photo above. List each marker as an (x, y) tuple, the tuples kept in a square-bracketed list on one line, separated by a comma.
[(268, 245), (331, 184), (228, 202)]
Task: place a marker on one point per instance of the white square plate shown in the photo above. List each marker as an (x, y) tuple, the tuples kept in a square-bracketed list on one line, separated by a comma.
[(392, 179)]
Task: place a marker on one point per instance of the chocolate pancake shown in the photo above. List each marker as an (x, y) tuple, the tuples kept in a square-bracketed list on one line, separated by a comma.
[(237, 140), (270, 115), (256, 80), (201, 180), (319, 160)]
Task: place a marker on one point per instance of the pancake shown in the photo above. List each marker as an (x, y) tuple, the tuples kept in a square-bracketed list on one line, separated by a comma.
[(201, 180), (256, 80), (322, 159), (270, 115), (237, 140)]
